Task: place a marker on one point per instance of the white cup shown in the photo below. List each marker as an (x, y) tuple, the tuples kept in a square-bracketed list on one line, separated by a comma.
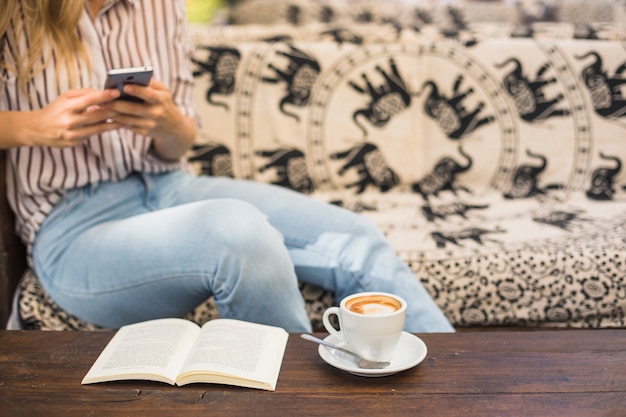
[(370, 322)]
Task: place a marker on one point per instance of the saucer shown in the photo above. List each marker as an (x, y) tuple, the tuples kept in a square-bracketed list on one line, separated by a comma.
[(411, 350)]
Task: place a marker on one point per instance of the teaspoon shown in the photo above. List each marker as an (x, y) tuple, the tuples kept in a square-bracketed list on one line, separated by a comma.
[(362, 363)]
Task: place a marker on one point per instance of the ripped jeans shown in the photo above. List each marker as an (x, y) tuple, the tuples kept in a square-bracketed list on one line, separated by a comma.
[(158, 245)]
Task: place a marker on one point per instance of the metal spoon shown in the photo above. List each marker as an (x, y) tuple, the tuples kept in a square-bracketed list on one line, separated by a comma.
[(362, 363)]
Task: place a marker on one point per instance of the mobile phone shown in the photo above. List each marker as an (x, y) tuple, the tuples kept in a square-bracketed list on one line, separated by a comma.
[(118, 78)]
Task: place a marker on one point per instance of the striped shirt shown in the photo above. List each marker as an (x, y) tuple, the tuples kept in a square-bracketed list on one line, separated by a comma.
[(126, 33)]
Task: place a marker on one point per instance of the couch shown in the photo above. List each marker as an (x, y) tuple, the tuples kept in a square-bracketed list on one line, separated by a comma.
[(489, 150)]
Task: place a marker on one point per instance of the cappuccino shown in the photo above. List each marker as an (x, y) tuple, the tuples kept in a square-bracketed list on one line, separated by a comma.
[(373, 305), (371, 323)]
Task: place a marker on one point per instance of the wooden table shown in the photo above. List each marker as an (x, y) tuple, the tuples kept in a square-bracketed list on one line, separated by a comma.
[(544, 373)]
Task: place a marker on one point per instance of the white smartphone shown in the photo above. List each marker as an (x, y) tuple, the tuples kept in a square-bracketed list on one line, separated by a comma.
[(118, 78)]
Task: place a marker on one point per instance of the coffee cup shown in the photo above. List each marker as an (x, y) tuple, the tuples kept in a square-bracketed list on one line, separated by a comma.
[(371, 323)]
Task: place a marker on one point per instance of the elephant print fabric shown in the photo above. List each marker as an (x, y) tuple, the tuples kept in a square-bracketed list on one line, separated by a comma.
[(386, 100), (298, 75), (220, 63), (450, 112), (605, 88), (439, 119), (481, 163), (528, 94)]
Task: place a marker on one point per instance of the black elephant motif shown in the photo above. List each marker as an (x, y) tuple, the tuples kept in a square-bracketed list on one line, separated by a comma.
[(450, 113), (291, 169), (342, 35), (526, 179), (365, 16), (357, 206), (300, 74), (222, 63), (602, 185), (388, 99), (443, 211), (284, 37), (454, 24), (421, 17), (294, 14), (606, 91), (327, 14), (528, 95), (457, 20), (443, 177), (522, 31), (476, 234), (214, 159), (370, 165), (585, 31), (561, 219)]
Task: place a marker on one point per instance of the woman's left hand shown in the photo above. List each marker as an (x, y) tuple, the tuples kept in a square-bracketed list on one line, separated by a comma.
[(157, 117)]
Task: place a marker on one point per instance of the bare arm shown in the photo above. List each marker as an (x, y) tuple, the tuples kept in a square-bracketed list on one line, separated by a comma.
[(176, 146), (67, 121)]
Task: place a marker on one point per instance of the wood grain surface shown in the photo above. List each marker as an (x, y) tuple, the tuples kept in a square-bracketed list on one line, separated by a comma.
[(546, 373)]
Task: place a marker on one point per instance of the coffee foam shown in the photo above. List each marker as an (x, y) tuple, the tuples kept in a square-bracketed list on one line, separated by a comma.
[(374, 305)]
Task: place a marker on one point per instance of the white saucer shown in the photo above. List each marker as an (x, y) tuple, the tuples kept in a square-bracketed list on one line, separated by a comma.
[(411, 350)]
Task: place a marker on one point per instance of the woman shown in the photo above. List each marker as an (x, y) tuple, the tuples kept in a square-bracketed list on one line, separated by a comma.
[(117, 230)]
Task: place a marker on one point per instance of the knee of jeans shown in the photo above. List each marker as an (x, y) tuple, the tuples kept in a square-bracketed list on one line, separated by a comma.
[(250, 248), (244, 229), (367, 227), (366, 251)]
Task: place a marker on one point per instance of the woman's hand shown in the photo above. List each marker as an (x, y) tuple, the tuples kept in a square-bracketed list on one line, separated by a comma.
[(73, 117), (67, 121), (157, 117)]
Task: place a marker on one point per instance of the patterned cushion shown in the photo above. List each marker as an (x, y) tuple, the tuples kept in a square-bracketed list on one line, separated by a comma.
[(500, 263)]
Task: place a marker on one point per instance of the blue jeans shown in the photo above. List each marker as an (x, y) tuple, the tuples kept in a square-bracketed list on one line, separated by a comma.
[(158, 245)]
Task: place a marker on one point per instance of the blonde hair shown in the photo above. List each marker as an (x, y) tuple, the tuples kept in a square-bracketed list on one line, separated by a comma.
[(52, 23)]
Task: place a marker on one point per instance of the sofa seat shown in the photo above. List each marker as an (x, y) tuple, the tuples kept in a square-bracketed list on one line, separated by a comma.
[(486, 261)]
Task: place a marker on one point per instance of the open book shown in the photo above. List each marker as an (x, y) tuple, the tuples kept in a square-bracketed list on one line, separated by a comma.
[(177, 351)]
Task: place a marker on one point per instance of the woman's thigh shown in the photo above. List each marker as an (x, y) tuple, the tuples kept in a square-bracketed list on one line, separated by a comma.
[(329, 246), (299, 218), (110, 267)]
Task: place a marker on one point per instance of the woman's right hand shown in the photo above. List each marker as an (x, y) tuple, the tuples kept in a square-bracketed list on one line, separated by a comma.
[(71, 118)]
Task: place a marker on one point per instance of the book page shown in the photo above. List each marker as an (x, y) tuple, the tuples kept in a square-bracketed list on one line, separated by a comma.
[(153, 350), (235, 352)]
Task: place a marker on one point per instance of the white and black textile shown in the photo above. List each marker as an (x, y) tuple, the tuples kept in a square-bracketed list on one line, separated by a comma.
[(492, 162)]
